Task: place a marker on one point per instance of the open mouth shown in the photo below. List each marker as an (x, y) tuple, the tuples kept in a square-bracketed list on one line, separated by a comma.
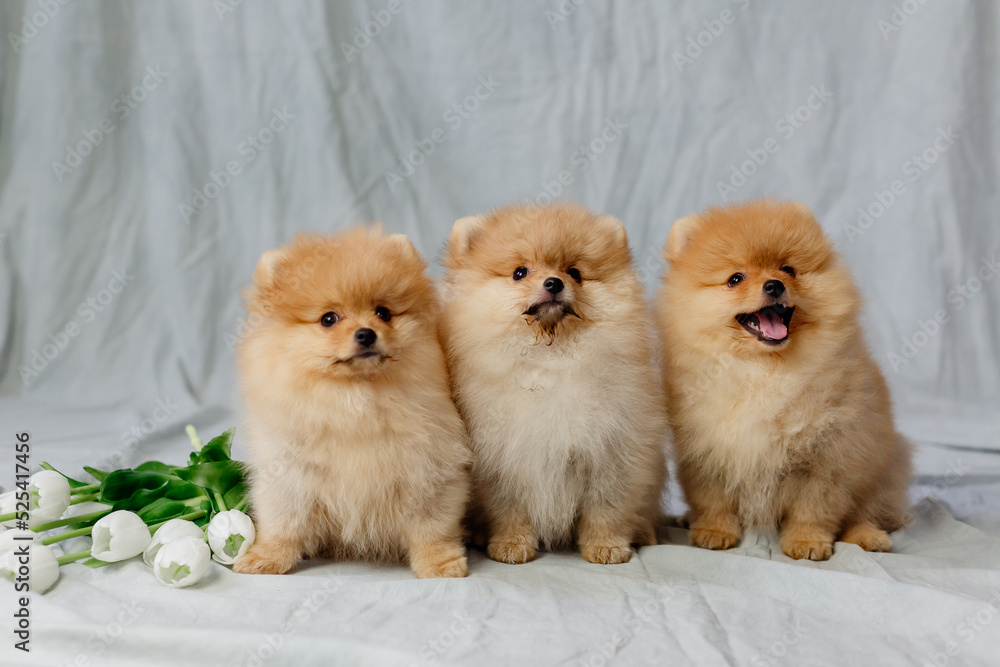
[(769, 325)]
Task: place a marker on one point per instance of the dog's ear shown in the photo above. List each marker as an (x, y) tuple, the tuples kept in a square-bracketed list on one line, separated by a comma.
[(680, 232), (464, 232), (403, 242), (615, 227), (267, 265)]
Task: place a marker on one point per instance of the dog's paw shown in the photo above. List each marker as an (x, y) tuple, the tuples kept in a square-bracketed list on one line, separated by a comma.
[(606, 555), (714, 538), (869, 538), (811, 549), (513, 552), (454, 568), (261, 562)]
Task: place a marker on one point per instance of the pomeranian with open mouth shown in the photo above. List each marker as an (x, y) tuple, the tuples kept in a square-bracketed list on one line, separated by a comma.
[(356, 448), (550, 344), (779, 414)]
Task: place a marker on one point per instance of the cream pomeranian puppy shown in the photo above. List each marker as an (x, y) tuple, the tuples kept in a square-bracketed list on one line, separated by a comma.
[(779, 414), (551, 344), (356, 448)]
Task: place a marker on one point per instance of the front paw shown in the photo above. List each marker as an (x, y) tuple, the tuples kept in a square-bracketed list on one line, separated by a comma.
[(607, 554), (513, 551), (263, 561), (455, 568), (714, 538), (811, 549)]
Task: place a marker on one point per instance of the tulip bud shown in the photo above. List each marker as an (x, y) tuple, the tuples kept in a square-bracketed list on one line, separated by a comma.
[(182, 562), (11, 539), (40, 565), (49, 496), (118, 536), (168, 532), (230, 534)]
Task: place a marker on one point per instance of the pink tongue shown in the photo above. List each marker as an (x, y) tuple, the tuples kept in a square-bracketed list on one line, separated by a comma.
[(771, 325)]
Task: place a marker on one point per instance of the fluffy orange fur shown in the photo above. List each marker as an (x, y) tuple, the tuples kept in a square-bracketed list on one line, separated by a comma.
[(559, 390), (356, 451), (795, 432)]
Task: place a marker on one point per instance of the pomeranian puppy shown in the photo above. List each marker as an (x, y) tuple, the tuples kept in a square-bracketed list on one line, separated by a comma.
[(779, 414), (551, 344), (356, 448)]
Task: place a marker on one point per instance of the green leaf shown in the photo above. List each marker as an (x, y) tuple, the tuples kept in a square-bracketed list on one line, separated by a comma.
[(155, 466), (219, 476), (122, 484), (72, 482), (163, 509), (218, 448), (99, 475), (235, 495)]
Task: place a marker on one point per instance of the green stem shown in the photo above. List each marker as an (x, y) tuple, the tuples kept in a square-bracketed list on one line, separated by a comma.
[(69, 534), (242, 506), (85, 499), (187, 517), (8, 517), (219, 501), (89, 488), (69, 558), (41, 528)]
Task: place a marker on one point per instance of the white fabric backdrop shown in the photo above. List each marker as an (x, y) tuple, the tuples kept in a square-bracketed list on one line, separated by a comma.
[(150, 151)]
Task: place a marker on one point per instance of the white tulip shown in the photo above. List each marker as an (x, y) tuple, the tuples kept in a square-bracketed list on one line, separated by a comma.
[(182, 562), (9, 539), (8, 505), (119, 536), (50, 495), (230, 534), (168, 532), (32, 561)]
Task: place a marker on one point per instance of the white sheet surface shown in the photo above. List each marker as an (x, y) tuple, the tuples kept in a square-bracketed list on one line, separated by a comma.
[(119, 309)]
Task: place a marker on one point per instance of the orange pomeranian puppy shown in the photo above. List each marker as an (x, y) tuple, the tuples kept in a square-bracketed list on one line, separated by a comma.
[(550, 342), (780, 416), (356, 449)]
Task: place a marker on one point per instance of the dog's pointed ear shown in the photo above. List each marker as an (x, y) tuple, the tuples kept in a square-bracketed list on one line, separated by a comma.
[(616, 227), (802, 209), (680, 232), (464, 233), (404, 243), (263, 275)]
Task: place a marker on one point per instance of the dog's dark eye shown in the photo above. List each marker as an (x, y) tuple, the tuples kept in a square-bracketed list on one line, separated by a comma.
[(789, 270), (329, 319), (574, 273), (383, 313), (520, 272), (736, 279)]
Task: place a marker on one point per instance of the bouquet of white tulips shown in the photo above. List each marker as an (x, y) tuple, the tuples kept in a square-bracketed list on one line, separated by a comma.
[(177, 518)]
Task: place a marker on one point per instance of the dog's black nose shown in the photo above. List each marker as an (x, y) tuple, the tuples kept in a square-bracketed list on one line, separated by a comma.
[(365, 337), (774, 287), (553, 285)]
